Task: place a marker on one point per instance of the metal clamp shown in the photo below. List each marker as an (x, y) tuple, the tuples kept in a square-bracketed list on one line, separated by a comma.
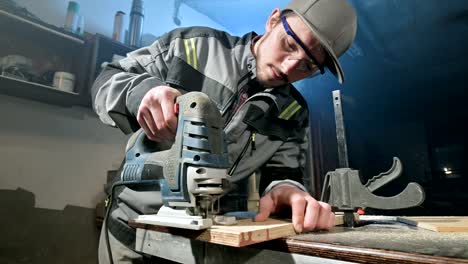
[(344, 191), (343, 188)]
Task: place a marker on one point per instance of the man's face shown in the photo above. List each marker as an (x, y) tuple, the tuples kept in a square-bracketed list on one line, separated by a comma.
[(280, 59)]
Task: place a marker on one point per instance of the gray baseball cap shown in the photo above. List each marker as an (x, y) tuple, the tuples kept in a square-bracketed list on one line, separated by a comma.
[(333, 23)]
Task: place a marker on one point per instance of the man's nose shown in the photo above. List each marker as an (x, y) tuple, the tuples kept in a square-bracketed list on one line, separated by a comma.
[(289, 65)]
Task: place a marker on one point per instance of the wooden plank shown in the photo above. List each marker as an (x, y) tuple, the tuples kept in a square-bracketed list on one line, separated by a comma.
[(245, 232), (353, 254), (438, 223)]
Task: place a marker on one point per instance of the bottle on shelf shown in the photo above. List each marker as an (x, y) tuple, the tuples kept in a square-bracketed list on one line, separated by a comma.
[(119, 32), (71, 20), (135, 28), (80, 27)]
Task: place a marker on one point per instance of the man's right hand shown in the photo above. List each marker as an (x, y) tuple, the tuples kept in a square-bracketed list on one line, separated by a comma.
[(156, 113)]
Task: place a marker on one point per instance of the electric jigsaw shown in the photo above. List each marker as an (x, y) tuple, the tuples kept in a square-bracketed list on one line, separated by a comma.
[(192, 174)]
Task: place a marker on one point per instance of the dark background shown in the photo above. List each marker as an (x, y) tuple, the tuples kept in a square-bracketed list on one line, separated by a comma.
[(404, 96)]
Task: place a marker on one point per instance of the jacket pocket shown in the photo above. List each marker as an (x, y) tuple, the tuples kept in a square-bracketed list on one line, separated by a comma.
[(267, 122)]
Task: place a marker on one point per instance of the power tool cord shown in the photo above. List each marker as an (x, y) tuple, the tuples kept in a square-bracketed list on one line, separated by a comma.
[(109, 206)]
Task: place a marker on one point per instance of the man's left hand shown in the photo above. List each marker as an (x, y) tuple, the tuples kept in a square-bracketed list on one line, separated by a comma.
[(307, 213)]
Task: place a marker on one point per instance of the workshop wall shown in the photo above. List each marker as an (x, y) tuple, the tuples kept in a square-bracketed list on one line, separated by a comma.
[(60, 154), (54, 160), (54, 165)]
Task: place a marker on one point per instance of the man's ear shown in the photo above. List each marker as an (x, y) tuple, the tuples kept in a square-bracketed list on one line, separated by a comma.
[(273, 19)]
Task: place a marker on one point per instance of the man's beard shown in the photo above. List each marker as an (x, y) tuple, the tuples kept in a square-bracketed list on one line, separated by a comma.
[(262, 76)]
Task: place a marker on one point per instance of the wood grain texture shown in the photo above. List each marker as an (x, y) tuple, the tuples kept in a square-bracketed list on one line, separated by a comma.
[(245, 232), (365, 244), (354, 254), (438, 223)]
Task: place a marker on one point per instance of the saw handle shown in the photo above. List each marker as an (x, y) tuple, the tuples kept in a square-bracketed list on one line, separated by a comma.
[(140, 163)]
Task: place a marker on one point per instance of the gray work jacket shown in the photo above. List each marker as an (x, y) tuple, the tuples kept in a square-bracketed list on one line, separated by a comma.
[(265, 133)]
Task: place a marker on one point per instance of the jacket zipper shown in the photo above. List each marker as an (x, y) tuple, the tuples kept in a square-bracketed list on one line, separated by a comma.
[(248, 99), (232, 100), (251, 142), (253, 147)]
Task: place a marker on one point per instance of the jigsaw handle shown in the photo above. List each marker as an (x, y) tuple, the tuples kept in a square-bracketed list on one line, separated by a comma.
[(199, 140), (143, 159)]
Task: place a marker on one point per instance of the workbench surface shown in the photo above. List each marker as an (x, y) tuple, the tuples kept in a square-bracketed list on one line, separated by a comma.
[(384, 242)]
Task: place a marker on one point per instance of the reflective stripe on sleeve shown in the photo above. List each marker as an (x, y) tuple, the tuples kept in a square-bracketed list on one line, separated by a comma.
[(290, 111)]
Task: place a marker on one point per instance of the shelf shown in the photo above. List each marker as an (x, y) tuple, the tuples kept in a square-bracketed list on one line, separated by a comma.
[(38, 92), (113, 44), (53, 49), (50, 49), (47, 30)]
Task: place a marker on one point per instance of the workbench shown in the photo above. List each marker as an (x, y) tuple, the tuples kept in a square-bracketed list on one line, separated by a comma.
[(375, 242)]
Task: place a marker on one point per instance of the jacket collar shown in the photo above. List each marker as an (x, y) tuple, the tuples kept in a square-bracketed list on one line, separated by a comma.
[(252, 67)]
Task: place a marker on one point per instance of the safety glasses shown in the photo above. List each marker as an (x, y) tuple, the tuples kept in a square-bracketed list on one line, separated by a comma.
[(298, 41)]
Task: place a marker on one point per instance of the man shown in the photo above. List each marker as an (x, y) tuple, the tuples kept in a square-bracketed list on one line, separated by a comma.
[(249, 79)]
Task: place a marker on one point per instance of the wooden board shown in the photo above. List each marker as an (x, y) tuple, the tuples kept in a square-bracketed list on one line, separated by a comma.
[(438, 223), (245, 232)]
